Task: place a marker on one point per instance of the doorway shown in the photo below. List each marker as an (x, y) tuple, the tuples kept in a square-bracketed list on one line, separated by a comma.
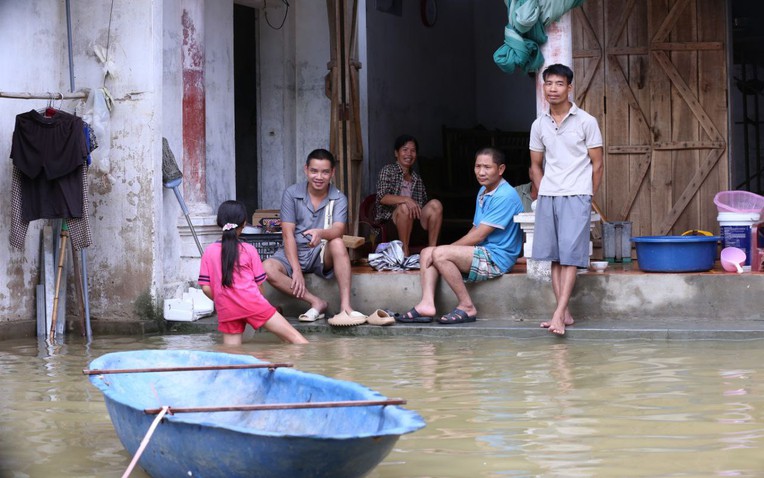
[(245, 104)]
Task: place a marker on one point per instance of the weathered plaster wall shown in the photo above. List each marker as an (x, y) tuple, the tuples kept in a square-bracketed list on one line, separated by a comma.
[(221, 175), (122, 262), (294, 111), (43, 72)]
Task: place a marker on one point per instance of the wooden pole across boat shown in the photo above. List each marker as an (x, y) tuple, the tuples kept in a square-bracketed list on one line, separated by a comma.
[(270, 366), (279, 406)]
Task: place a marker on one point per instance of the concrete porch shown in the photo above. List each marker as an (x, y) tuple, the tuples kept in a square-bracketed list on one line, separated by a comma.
[(621, 303)]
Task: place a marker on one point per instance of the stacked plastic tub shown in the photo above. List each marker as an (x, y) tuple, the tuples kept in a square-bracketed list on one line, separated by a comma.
[(738, 212)]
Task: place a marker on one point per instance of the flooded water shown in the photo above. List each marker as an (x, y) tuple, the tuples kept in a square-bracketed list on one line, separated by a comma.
[(493, 407)]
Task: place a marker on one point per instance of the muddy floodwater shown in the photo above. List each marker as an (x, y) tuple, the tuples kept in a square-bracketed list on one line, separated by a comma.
[(493, 407)]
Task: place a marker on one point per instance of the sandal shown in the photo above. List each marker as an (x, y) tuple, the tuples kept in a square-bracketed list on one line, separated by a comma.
[(457, 316), (311, 315), (413, 316)]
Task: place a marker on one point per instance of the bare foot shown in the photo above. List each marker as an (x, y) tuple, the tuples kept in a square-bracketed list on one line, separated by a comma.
[(568, 321), (557, 324)]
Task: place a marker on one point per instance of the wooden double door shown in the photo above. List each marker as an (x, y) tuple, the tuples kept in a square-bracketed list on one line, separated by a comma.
[(654, 73)]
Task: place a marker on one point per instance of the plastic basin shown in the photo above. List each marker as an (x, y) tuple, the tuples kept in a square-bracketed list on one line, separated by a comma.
[(676, 253)]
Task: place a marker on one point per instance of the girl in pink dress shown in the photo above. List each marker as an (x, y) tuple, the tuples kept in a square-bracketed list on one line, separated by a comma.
[(231, 274)]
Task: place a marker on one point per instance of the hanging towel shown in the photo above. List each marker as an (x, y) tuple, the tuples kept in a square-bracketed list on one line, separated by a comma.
[(525, 33)]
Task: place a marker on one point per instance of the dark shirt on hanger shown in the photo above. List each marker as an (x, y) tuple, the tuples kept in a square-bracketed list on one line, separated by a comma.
[(50, 152)]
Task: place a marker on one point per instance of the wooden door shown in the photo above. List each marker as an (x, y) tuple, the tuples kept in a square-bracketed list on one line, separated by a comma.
[(654, 73)]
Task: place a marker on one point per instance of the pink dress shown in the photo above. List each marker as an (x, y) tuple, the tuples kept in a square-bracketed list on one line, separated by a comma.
[(243, 299)]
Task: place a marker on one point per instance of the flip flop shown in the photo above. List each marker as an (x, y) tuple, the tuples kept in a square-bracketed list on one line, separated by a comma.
[(311, 315), (457, 316), (344, 319), (413, 316), (380, 317)]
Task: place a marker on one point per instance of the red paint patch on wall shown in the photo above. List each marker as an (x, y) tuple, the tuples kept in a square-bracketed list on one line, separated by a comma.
[(194, 136)]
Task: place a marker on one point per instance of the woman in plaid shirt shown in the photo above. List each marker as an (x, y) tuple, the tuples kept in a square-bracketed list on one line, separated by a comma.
[(401, 196)]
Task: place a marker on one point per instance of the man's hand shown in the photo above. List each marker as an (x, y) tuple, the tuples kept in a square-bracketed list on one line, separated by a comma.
[(298, 284), (314, 236)]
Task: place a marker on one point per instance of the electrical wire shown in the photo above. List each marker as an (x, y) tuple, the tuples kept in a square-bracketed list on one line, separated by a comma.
[(282, 20)]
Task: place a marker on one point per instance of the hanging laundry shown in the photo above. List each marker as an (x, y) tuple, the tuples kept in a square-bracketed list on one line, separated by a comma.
[(49, 174)]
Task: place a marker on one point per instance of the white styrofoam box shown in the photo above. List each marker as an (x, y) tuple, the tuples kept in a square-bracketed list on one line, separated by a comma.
[(203, 306), (179, 310)]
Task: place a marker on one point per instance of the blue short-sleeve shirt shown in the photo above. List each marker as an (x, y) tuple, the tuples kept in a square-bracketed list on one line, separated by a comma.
[(497, 209)]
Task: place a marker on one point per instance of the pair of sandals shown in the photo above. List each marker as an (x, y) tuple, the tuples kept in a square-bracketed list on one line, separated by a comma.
[(456, 316)]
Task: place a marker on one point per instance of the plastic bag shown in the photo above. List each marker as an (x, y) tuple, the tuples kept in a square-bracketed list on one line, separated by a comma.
[(98, 115)]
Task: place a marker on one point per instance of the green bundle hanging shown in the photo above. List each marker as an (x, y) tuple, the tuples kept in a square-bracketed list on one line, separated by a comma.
[(524, 33)]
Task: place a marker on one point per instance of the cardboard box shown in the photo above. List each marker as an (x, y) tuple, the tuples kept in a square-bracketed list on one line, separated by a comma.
[(261, 214)]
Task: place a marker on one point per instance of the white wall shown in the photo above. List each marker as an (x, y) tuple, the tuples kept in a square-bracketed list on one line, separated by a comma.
[(293, 112), (122, 260)]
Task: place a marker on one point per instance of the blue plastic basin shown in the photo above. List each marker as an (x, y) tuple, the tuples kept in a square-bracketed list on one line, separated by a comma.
[(676, 253)]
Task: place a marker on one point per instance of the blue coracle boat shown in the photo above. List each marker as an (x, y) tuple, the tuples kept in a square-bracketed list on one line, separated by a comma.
[(306, 442)]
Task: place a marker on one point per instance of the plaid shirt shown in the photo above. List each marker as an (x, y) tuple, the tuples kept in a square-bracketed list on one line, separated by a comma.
[(389, 182)]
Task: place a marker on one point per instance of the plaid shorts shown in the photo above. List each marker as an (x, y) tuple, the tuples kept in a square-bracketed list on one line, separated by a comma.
[(482, 267)]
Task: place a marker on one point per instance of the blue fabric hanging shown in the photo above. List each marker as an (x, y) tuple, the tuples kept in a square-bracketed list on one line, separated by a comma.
[(525, 32)]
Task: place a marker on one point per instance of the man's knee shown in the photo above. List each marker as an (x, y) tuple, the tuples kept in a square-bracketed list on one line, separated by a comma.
[(272, 267), (434, 207)]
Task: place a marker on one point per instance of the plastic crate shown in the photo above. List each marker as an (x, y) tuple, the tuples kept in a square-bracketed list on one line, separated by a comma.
[(266, 244)]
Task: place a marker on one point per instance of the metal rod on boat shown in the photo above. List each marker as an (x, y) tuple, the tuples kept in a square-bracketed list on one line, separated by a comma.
[(279, 406), (270, 366)]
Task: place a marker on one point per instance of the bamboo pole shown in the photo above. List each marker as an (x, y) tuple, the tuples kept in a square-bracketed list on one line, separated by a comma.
[(61, 259), (187, 369), (279, 406), (79, 95)]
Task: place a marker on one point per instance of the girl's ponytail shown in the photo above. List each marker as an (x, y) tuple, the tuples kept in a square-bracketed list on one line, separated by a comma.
[(231, 216)]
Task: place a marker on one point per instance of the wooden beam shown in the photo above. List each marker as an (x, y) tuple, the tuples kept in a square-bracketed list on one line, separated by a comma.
[(628, 149), (622, 21), (687, 95), (643, 167), (627, 50), (685, 145), (669, 22), (688, 46), (625, 88), (692, 188)]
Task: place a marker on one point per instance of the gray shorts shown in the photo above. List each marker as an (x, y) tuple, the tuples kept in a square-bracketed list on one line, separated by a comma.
[(310, 261), (561, 231)]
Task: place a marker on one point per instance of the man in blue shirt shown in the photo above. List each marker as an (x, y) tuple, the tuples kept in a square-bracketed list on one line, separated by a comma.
[(487, 251)]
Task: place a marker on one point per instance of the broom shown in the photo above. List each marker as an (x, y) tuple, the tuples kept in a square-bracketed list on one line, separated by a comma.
[(172, 178)]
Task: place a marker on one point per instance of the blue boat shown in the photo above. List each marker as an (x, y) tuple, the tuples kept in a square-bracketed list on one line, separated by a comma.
[(245, 440)]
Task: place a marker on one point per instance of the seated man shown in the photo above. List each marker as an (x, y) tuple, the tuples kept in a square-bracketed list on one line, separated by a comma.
[(313, 221), (487, 251)]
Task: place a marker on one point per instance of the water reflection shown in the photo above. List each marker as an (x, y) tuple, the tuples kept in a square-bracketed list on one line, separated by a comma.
[(494, 407)]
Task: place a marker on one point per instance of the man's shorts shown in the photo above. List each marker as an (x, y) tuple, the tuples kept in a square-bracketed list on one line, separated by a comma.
[(482, 267), (310, 261), (561, 231)]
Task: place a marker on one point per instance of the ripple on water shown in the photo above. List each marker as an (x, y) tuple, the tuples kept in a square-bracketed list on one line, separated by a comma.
[(494, 407)]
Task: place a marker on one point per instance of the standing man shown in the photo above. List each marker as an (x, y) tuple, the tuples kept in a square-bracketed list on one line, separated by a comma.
[(313, 221), (487, 251), (566, 168)]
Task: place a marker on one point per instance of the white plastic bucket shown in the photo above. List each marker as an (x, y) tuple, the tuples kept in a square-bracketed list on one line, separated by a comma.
[(736, 231)]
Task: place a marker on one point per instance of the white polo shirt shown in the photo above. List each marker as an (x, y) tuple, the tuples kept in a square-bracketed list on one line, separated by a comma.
[(567, 165)]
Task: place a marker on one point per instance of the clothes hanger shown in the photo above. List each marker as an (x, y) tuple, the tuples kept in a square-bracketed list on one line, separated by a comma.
[(50, 111)]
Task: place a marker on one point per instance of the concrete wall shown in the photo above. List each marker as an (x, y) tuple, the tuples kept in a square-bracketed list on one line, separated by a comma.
[(124, 217), (294, 111)]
